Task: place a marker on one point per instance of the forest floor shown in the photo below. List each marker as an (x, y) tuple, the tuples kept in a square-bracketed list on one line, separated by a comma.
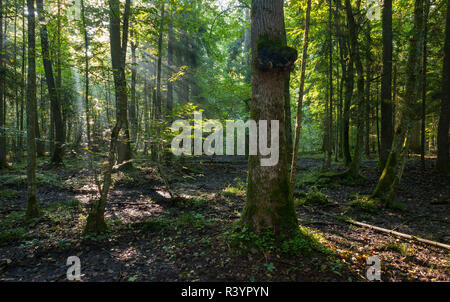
[(151, 238)]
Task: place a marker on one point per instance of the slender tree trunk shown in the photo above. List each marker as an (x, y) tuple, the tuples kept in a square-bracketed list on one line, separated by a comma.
[(23, 87), (330, 83), (424, 83), (269, 203), (170, 62), (96, 219), (392, 173), (32, 203), (132, 107), (86, 75), (349, 84), (57, 156), (386, 85), (158, 103), (298, 119), (3, 163), (124, 143), (354, 53), (443, 160)]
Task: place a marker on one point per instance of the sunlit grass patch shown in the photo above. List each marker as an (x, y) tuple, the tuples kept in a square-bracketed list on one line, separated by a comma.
[(399, 247), (302, 243), (238, 190), (313, 198), (364, 203)]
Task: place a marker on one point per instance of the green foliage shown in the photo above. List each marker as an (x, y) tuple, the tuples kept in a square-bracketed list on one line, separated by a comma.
[(302, 243), (402, 248), (12, 228), (13, 235), (313, 197), (7, 194), (364, 204)]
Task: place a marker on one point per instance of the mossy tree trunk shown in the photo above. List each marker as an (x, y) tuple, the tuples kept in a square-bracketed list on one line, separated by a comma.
[(408, 112), (32, 203), (269, 204)]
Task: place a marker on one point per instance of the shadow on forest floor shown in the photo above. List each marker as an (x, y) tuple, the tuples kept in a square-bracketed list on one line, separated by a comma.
[(154, 239)]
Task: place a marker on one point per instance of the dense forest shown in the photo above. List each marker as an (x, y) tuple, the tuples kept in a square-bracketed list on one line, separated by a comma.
[(117, 145)]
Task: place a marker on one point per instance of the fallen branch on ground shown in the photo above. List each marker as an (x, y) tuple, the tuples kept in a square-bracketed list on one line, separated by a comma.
[(383, 230)]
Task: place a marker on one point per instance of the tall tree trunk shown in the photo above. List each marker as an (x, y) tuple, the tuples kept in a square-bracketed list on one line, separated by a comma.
[(392, 173), (158, 103), (86, 75), (57, 155), (132, 107), (386, 85), (424, 83), (443, 161), (32, 203), (3, 163), (170, 62), (349, 84), (298, 119), (269, 204), (96, 219), (124, 143), (330, 85), (23, 87), (355, 55)]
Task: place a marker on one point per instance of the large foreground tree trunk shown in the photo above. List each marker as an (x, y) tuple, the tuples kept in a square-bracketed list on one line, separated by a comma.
[(443, 160), (392, 173), (269, 204)]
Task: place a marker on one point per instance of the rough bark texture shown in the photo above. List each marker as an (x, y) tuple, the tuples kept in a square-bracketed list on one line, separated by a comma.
[(386, 85), (269, 204), (393, 170), (32, 203), (443, 160)]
